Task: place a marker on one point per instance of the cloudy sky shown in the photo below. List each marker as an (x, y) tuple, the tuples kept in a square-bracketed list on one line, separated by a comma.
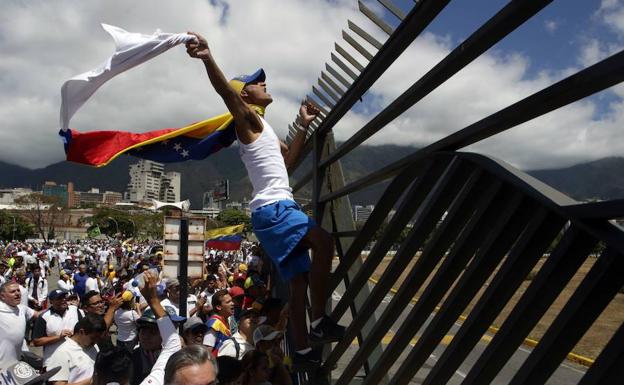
[(44, 43)]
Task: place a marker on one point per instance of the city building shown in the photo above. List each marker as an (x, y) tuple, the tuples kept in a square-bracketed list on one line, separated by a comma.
[(111, 198), (170, 187), (361, 213), (148, 181), (92, 196), (8, 196), (52, 189)]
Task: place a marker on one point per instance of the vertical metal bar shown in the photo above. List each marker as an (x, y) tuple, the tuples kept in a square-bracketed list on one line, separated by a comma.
[(393, 9), (543, 290), (421, 270), (364, 35), (344, 67), (423, 196), (510, 276), (317, 104), (358, 47), (349, 58), (591, 297), (502, 235), (462, 252), (460, 210), (183, 267), (387, 201), (609, 366), (337, 75), (378, 21), (332, 83), (328, 90), (324, 98)]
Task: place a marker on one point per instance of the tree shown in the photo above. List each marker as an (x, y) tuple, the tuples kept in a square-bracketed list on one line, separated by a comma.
[(14, 227), (127, 224), (232, 217), (43, 212)]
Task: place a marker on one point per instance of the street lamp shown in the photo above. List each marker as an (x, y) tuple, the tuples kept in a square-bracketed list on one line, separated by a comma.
[(13, 238)]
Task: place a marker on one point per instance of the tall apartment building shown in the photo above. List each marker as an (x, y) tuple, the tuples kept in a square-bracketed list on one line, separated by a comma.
[(361, 213), (170, 187), (148, 181)]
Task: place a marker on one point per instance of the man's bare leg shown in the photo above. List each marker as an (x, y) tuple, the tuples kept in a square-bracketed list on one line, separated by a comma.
[(322, 246), (297, 312)]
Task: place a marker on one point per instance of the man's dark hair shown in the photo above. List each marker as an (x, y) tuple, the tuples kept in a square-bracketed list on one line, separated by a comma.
[(114, 365), (91, 323), (217, 298), (230, 369), (188, 356), (87, 297)]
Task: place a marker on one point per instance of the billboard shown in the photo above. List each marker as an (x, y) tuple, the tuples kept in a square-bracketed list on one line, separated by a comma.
[(221, 191)]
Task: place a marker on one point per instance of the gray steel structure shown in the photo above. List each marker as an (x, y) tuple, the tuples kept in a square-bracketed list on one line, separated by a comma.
[(475, 220)]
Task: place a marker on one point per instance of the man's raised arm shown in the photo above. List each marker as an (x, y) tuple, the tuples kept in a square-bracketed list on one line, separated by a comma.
[(247, 121), (307, 113)]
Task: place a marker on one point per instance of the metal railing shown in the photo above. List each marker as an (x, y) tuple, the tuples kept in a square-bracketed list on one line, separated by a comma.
[(478, 226)]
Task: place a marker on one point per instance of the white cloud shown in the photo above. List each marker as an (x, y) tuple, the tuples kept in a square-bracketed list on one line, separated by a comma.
[(551, 26), (612, 14), (44, 43)]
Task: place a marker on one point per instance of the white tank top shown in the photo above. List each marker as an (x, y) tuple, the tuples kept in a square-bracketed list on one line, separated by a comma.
[(266, 168)]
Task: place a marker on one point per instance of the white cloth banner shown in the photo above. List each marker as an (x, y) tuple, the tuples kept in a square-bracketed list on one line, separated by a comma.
[(131, 49)]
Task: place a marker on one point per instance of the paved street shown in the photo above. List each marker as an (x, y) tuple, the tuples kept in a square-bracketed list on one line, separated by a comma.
[(568, 372)]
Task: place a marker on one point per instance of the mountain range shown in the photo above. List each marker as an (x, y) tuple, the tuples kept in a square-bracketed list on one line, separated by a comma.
[(600, 179)]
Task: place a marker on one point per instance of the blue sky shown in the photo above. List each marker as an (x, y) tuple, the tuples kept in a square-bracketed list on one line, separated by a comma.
[(45, 43)]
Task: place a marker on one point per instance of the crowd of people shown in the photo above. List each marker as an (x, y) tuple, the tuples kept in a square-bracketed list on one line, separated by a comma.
[(113, 317)]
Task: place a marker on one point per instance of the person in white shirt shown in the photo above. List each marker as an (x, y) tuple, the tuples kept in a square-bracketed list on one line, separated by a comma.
[(93, 282), (241, 342), (37, 288), (76, 356), (13, 318), (285, 232), (65, 283), (168, 332), (125, 319), (56, 323)]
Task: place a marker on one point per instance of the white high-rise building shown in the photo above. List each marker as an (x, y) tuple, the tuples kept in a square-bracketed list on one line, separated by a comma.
[(170, 187), (148, 180), (361, 213)]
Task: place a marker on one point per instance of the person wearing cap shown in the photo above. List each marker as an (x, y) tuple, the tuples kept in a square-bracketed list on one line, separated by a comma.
[(54, 324), (193, 331), (150, 343), (241, 341), (80, 279), (268, 340), (285, 232), (76, 355), (168, 333), (65, 282), (125, 319), (21, 373), (13, 318)]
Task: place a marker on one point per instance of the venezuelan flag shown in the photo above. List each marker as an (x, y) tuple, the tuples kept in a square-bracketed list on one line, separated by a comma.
[(193, 142), (225, 243)]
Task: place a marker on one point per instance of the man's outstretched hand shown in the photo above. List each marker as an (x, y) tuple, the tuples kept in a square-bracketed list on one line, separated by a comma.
[(198, 48), (307, 112)]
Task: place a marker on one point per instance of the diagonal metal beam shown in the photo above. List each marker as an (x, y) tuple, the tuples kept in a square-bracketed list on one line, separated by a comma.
[(493, 31), (364, 35)]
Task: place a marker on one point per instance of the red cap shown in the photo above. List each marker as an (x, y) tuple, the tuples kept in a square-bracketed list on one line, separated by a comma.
[(236, 291)]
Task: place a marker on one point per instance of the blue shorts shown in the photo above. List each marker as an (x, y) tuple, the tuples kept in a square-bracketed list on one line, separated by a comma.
[(279, 227)]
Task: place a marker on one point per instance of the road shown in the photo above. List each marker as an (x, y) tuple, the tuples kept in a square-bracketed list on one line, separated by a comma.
[(568, 372)]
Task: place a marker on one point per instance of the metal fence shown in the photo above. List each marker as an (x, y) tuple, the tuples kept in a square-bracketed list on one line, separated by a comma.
[(479, 227)]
